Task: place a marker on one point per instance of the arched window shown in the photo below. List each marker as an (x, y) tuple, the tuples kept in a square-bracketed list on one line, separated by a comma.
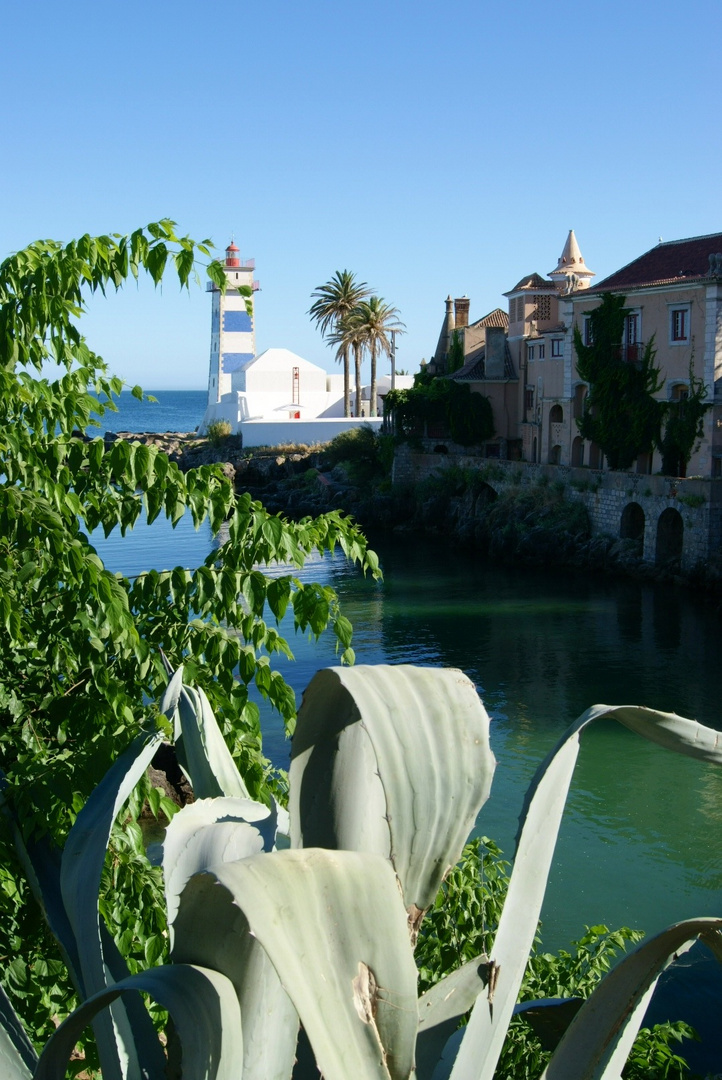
[(578, 451)]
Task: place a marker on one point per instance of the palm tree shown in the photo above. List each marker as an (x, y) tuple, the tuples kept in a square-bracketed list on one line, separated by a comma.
[(349, 334), (373, 320), (333, 302)]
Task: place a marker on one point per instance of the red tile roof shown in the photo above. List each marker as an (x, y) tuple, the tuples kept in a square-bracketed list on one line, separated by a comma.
[(497, 317), (670, 263), (532, 281)]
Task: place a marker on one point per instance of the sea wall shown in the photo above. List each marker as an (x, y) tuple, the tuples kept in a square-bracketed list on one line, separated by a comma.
[(674, 519)]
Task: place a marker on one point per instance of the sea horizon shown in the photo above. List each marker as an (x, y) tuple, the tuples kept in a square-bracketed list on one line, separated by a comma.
[(173, 410)]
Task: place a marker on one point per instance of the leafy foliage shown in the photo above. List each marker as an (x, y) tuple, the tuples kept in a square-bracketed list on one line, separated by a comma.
[(362, 451), (251, 959), (463, 923), (455, 356), (218, 431), (80, 646), (621, 414), (465, 915), (467, 417), (683, 427)]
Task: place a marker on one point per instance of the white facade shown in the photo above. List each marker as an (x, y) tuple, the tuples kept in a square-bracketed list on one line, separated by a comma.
[(278, 386)]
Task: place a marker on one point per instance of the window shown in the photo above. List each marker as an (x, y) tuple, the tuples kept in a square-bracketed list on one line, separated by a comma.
[(631, 328), (588, 336), (557, 344), (529, 398), (541, 352), (531, 352), (679, 325), (520, 309)]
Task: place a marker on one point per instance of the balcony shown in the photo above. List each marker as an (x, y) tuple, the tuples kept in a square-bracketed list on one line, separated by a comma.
[(630, 352)]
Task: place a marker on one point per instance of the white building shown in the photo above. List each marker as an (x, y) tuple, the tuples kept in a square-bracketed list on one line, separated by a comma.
[(277, 396)]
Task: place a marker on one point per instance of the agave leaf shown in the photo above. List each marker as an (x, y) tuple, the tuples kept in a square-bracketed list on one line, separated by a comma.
[(205, 1015), (41, 860), (334, 927), (211, 831), (538, 829), (80, 873), (395, 761), (598, 1040), (200, 835), (17, 1056), (440, 1009), (200, 746)]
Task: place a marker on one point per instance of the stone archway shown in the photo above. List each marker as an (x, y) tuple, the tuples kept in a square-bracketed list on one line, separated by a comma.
[(670, 537), (596, 457), (578, 451), (631, 526)]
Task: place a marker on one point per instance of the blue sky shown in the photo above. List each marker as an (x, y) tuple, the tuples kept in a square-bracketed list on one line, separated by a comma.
[(430, 148)]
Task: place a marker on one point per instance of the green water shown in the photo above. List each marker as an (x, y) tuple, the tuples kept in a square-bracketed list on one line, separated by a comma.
[(641, 843)]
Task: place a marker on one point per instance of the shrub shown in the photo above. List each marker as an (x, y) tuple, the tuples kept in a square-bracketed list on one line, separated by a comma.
[(361, 453), (218, 431)]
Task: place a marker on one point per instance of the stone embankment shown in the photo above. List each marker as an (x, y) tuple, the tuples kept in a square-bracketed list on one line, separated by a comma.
[(530, 519)]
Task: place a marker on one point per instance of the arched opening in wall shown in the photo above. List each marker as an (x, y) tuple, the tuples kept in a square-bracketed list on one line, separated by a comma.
[(631, 526), (670, 537), (441, 449), (596, 457), (578, 451), (580, 392), (556, 419)]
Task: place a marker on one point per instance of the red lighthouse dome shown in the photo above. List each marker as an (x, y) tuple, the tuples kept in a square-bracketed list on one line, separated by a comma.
[(232, 255)]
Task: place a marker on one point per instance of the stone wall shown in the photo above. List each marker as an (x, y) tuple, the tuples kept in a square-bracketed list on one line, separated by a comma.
[(682, 518)]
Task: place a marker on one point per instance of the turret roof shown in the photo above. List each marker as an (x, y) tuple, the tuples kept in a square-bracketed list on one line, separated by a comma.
[(570, 260)]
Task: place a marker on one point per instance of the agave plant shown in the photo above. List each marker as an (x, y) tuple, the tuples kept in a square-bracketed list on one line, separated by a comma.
[(290, 963)]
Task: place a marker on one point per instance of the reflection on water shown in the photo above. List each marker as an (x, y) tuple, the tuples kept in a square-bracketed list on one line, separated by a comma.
[(641, 842)]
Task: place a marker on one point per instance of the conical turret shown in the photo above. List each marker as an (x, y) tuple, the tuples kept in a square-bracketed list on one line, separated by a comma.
[(571, 272)]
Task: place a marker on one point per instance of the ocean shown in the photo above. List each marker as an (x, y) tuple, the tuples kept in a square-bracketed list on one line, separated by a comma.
[(175, 410)]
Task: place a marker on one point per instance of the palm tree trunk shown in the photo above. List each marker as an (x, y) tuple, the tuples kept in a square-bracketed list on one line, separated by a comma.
[(346, 384), (357, 360), (373, 378)]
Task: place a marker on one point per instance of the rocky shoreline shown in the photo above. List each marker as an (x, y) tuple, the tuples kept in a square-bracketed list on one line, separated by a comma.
[(541, 529)]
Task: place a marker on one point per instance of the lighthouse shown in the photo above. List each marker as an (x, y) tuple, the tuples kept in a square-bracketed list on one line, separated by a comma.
[(233, 338)]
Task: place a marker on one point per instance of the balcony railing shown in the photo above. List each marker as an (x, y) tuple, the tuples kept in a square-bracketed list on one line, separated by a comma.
[(631, 352)]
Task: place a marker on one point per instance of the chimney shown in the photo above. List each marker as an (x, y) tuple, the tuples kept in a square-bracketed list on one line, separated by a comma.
[(495, 352), (461, 311)]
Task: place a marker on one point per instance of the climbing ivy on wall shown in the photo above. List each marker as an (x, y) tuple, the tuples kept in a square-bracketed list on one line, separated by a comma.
[(455, 357), (468, 417), (683, 427), (621, 413)]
